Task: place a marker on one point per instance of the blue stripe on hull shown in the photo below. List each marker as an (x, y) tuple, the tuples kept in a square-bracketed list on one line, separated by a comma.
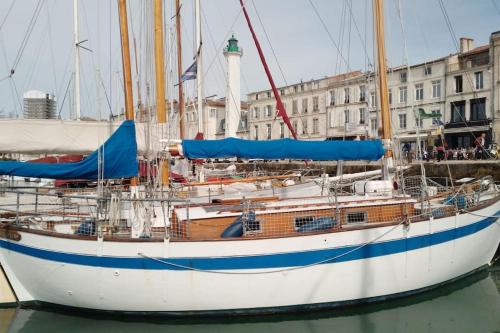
[(267, 261)]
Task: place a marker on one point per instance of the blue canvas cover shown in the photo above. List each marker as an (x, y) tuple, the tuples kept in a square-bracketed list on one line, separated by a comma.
[(119, 159), (371, 150)]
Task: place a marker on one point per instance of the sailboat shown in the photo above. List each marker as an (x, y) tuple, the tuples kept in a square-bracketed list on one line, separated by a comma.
[(248, 256)]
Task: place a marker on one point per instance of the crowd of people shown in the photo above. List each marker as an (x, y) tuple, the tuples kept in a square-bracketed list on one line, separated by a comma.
[(437, 150)]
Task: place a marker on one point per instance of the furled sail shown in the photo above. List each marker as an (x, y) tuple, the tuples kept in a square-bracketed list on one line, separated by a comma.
[(371, 150), (118, 157)]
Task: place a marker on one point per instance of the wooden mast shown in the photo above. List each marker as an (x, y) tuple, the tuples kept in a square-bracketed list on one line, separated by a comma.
[(161, 114), (159, 62), (127, 72), (179, 67), (378, 8)]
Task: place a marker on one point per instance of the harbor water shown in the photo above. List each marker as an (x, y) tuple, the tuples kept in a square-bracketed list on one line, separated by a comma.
[(471, 304)]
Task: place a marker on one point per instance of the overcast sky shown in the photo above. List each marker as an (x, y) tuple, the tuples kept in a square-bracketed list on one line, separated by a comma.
[(304, 48)]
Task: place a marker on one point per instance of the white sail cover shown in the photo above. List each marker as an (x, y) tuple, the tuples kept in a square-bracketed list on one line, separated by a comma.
[(34, 136)]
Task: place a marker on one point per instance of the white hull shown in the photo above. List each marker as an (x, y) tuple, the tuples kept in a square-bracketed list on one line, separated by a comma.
[(114, 276)]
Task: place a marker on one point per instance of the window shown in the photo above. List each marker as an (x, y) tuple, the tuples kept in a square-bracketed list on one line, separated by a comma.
[(268, 131), (304, 105), (213, 113), (268, 94), (295, 89), (315, 103), (356, 217), (403, 94), (282, 130), (346, 95), (332, 118), (419, 91), (295, 108), (419, 121), (256, 97), (478, 109), (269, 110), (282, 92), (374, 126), (403, 77), (250, 224), (362, 116), (362, 93), (373, 99), (346, 116), (316, 85), (302, 221), (436, 89), (295, 126), (427, 70), (256, 132), (458, 112), (458, 84), (315, 126), (256, 112), (390, 96), (243, 126), (438, 120), (332, 97), (301, 87), (479, 80), (304, 126), (402, 120)]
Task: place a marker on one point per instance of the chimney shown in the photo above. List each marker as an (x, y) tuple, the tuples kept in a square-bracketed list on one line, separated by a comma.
[(465, 44)]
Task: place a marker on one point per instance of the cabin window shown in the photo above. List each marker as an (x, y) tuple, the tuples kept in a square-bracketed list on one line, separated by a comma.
[(356, 217), (302, 221), (252, 226)]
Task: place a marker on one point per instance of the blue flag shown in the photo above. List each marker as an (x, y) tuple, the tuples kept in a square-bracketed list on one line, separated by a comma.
[(190, 73)]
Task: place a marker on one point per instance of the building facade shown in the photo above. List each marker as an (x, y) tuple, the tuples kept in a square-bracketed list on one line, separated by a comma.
[(457, 94), (39, 105)]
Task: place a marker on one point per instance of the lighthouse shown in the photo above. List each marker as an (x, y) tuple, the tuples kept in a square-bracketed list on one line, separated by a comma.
[(233, 54)]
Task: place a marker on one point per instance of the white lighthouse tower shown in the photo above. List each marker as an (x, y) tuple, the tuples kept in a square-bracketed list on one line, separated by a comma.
[(233, 104)]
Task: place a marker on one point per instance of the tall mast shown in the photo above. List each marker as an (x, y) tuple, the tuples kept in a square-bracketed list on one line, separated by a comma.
[(199, 72), (378, 8), (77, 60), (161, 114), (179, 67), (127, 73)]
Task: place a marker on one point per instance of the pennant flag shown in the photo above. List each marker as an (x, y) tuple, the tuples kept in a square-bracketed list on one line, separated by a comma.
[(190, 73), (423, 115)]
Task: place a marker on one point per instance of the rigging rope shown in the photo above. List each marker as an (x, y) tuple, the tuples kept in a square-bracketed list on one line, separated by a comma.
[(269, 43), (7, 14), (27, 35), (329, 34)]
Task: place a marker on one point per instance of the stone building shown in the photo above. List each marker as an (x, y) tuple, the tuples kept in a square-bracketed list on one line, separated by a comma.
[(457, 94)]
